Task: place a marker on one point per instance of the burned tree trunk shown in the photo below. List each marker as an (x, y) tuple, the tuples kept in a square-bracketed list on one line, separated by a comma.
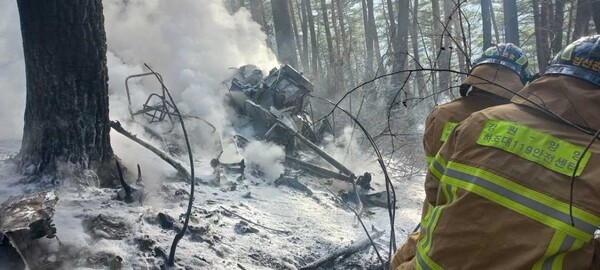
[(66, 114), (582, 19), (486, 18), (328, 37), (284, 32), (511, 22), (314, 46)]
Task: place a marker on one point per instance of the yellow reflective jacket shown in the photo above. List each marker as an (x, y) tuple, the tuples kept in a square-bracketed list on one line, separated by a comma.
[(505, 178), (444, 118)]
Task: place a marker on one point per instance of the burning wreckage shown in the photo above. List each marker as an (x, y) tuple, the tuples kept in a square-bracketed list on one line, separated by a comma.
[(275, 106)]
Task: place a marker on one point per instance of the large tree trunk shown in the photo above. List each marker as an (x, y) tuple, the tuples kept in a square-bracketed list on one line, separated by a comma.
[(257, 13), (494, 24), (570, 22), (511, 22), (436, 41), (445, 53), (486, 18), (401, 39), (557, 26), (461, 46), (66, 114), (541, 40), (368, 41), (414, 37), (328, 35), (304, 25), (596, 15), (582, 19), (345, 56), (314, 44), (373, 31), (284, 32), (336, 33)]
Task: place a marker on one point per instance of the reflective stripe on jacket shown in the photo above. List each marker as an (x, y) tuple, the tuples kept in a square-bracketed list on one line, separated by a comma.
[(504, 174)]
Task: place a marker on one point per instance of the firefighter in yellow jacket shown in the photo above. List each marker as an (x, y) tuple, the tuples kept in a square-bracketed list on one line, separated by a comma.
[(501, 67), (520, 183)]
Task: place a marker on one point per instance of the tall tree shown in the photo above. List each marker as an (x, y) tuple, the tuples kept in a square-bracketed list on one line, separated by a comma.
[(486, 18), (461, 43), (314, 43), (304, 25), (494, 24), (586, 10), (345, 56), (596, 15), (557, 25), (401, 52), (570, 22), (375, 35), (445, 53), (327, 34), (414, 37), (66, 113), (257, 12), (511, 22), (541, 39), (437, 32), (284, 32), (336, 33), (368, 40), (392, 20)]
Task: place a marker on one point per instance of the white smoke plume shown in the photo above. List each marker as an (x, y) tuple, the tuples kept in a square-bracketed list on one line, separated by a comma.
[(267, 157), (193, 43), (12, 72)]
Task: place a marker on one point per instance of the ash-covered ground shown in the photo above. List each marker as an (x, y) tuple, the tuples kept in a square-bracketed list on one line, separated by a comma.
[(294, 228)]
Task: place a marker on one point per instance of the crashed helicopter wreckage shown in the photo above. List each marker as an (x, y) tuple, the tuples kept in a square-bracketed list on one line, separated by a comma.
[(274, 106)]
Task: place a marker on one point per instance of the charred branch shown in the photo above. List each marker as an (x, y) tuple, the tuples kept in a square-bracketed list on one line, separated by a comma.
[(316, 170), (124, 184), (252, 222), (116, 126), (349, 250)]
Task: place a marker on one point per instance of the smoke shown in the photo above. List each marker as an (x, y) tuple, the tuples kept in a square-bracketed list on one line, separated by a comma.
[(12, 72), (192, 43), (267, 157)]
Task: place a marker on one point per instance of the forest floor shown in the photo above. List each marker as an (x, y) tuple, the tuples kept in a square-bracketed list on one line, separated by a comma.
[(294, 229)]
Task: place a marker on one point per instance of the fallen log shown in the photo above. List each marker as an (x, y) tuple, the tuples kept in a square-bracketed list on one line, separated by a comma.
[(116, 126), (349, 250)]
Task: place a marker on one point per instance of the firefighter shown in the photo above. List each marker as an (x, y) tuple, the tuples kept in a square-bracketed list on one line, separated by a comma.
[(520, 183), (501, 67), (500, 71)]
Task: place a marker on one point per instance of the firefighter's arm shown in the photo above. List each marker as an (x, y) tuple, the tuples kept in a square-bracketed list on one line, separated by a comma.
[(406, 252), (429, 140)]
